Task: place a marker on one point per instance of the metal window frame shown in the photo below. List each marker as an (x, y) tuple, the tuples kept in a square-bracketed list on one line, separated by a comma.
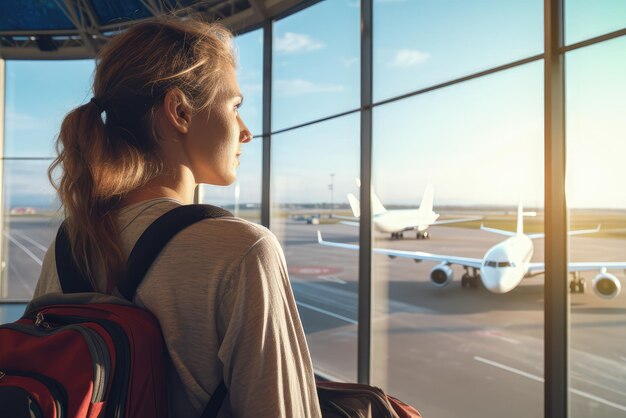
[(267, 123), (556, 294), (4, 285), (364, 345)]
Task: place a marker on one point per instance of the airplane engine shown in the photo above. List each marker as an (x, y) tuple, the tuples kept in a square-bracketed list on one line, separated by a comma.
[(606, 285), (441, 275)]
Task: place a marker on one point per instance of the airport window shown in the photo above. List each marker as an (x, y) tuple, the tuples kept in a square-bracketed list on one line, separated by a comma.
[(313, 169), (587, 19), (471, 143), (596, 128), (38, 95), (473, 149), (418, 44), (316, 67), (243, 198)]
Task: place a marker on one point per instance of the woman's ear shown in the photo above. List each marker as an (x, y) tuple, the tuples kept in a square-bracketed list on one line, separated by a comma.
[(177, 110)]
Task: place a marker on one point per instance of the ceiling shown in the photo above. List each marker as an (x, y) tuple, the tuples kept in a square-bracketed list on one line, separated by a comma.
[(74, 29)]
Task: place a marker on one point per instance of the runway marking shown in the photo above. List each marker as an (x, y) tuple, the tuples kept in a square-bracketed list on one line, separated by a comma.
[(315, 308), (32, 241), (542, 380), (26, 250), (333, 279)]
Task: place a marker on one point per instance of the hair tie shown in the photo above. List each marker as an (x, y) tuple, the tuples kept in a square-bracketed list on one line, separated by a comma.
[(98, 104)]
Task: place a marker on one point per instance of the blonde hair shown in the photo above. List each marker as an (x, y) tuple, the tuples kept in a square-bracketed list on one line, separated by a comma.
[(108, 147)]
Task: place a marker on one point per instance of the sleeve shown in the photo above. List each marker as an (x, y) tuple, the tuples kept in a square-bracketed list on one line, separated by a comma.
[(48, 280), (267, 366)]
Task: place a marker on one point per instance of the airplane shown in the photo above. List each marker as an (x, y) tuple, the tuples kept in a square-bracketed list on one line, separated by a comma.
[(398, 221), (505, 264)]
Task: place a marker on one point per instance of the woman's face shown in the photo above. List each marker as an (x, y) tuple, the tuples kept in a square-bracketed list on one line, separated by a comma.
[(215, 136)]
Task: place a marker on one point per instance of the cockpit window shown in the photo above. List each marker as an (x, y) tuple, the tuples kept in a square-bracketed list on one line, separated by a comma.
[(504, 264), (490, 263)]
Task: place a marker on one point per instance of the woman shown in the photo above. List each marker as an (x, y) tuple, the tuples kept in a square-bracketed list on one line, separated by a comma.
[(163, 119)]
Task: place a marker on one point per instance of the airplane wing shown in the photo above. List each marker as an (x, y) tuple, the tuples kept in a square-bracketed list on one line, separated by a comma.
[(414, 255), (350, 223), (570, 233), (537, 268), (345, 218)]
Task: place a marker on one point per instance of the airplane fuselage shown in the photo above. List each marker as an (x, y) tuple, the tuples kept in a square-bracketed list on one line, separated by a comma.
[(403, 220), (506, 263)]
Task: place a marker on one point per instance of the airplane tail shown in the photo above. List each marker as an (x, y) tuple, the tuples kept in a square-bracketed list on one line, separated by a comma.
[(377, 207), (354, 205), (520, 219), (520, 224), (427, 199)]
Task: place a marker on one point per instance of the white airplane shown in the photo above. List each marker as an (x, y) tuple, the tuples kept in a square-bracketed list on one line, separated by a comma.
[(398, 221), (505, 264)]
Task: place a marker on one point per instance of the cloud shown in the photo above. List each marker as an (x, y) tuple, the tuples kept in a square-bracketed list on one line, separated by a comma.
[(298, 87), (291, 43), (405, 58)]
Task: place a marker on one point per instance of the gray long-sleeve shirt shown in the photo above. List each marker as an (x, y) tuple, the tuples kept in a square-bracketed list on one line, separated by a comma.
[(221, 293)]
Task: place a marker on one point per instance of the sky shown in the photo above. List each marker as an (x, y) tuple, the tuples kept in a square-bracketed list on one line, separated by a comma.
[(479, 142)]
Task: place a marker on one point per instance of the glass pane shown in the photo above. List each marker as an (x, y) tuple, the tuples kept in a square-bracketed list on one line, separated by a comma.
[(38, 96), (451, 339), (316, 63), (249, 48), (596, 129), (243, 198), (422, 43), (31, 218), (313, 168), (586, 19)]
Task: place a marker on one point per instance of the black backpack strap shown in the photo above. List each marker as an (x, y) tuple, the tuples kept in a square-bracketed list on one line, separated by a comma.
[(70, 275), (215, 403), (146, 250), (156, 236)]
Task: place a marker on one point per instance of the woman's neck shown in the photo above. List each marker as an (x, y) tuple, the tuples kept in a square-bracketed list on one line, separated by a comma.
[(180, 187)]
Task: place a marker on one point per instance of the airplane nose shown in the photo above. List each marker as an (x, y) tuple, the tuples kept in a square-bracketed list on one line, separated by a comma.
[(499, 280)]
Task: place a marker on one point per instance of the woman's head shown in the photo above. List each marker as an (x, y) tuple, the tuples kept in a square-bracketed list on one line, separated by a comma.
[(115, 143)]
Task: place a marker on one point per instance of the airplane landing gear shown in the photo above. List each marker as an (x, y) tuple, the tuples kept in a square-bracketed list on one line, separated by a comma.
[(578, 284), (470, 280), (422, 235), (397, 235)]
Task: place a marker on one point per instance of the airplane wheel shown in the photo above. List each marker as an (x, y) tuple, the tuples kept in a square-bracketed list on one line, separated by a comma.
[(465, 280), (474, 282), (577, 286), (426, 235)]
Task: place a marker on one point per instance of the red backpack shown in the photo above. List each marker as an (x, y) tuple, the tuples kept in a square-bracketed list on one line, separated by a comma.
[(85, 354)]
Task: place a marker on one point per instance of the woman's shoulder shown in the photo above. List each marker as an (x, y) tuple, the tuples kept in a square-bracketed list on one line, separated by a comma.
[(229, 232)]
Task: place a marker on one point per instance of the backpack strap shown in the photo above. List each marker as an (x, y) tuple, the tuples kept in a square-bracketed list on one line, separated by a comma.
[(70, 276), (145, 251), (156, 236)]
